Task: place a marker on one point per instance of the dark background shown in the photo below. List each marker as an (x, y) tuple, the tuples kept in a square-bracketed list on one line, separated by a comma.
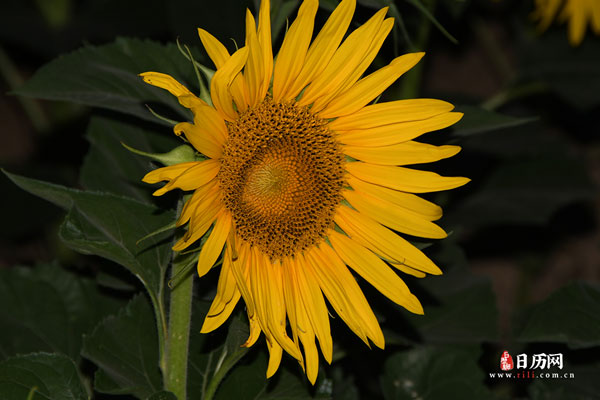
[(527, 223)]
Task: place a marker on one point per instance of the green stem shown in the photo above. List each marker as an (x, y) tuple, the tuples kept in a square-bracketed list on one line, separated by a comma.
[(161, 328), (226, 362), (411, 81), (180, 314)]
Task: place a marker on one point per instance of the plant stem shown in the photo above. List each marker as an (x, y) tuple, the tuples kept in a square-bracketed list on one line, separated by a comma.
[(180, 314), (225, 363), (411, 81), (161, 328)]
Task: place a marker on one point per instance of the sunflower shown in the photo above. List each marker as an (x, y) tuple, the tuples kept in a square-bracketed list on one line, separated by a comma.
[(305, 178), (578, 13)]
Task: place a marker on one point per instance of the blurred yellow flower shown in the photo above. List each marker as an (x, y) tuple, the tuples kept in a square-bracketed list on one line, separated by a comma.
[(577, 13), (304, 178)]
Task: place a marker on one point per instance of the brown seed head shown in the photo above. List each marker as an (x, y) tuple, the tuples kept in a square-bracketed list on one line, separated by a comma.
[(282, 172)]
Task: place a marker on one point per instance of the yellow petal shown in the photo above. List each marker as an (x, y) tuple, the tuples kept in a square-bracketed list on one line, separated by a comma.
[(197, 200), (390, 134), (214, 244), (202, 139), (314, 304), (595, 16), (266, 286), (293, 49), (405, 153), (368, 88), (323, 47), (166, 82), (221, 81), (214, 320), (405, 179), (219, 54), (545, 12), (307, 336), (214, 48), (225, 300), (254, 332), (275, 353), (359, 69), (211, 121), (192, 178), (254, 72), (392, 216), (344, 294), (241, 269), (382, 241), (333, 287), (345, 60), (408, 270), (264, 38), (391, 112), (374, 271), (577, 21), (168, 173), (290, 295), (202, 217), (226, 286)]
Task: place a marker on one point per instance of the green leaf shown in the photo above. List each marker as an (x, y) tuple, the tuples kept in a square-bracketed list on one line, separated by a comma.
[(109, 167), (433, 373), (572, 73), (247, 381), (570, 315), (48, 376), (524, 192), (464, 308), (125, 349), (109, 226), (584, 385), (47, 308), (208, 352), (106, 76), (162, 395), (247, 377), (478, 120)]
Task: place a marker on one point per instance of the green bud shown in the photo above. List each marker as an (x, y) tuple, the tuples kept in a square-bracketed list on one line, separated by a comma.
[(178, 155)]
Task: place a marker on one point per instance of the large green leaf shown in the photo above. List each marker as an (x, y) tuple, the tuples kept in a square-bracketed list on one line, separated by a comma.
[(247, 381), (570, 315), (209, 351), (106, 76), (524, 192), (109, 226), (110, 167), (572, 73), (49, 309), (478, 120), (583, 385), (433, 373), (459, 307), (125, 349), (47, 376)]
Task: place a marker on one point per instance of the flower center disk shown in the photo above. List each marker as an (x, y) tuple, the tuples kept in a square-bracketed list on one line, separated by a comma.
[(282, 173)]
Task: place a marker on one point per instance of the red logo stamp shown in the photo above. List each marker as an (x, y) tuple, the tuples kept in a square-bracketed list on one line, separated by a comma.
[(506, 362)]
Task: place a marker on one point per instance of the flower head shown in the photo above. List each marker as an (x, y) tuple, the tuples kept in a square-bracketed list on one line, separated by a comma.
[(305, 178), (577, 13)]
